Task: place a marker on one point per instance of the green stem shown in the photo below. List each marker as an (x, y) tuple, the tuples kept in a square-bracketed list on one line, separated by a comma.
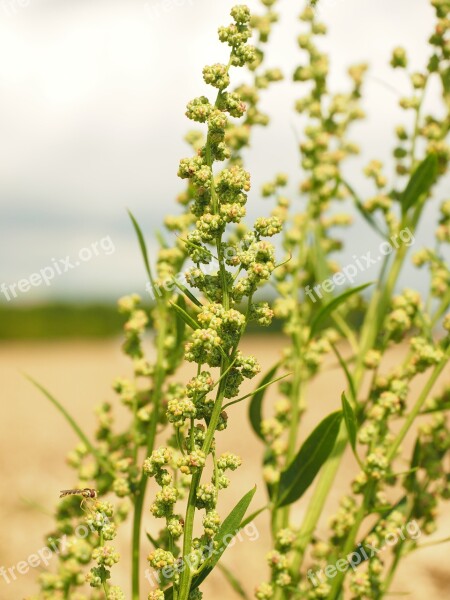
[(104, 583), (417, 407), (351, 541), (417, 126), (187, 574), (442, 309), (319, 497), (142, 487)]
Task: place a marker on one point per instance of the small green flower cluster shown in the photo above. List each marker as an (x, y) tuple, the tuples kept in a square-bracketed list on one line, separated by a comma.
[(78, 543), (278, 563)]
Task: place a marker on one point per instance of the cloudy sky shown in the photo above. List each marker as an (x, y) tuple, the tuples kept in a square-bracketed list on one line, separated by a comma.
[(92, 98)]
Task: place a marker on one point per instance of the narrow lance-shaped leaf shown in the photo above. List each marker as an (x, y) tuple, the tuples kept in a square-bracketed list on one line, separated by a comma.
[(185, 316), (144, 253), (351, 383), (415, 463), (180, 329), (350, 422), (362, 211), (229, 528), (152, 540), (420, 183), (300, 474), (326, 310), (187, 292), (73, 424), (261, 388), (252, 516), (180, 324), (269, 458), (255, 408), (321, 267)]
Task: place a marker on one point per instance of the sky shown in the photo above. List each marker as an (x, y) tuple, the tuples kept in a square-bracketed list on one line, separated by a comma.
[(92, 101)]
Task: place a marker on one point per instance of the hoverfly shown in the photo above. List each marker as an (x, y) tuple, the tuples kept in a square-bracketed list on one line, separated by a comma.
[(86, 493)]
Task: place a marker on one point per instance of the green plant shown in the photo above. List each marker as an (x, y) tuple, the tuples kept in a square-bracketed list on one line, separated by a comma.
[(370, 415), (201, 321)]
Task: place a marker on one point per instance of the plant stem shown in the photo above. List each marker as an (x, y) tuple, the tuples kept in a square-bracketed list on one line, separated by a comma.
[(187, 574), (104, 583), (417, 407), (140, 496), (351, 540)]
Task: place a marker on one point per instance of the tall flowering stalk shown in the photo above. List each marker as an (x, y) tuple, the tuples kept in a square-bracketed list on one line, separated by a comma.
[(210, 204), (244, 263)]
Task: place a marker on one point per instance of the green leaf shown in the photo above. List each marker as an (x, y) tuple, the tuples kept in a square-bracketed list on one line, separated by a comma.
[(234, 583), (162, 242), (229, 528), (185, 316), (180, 325), (445, 77), (415, 464), (152, 540), (300, 474), (255, 408), (350, 421), (253, 516), (351, 383), (269, 458), (187, 293), (73, 424), (321, 266), (144, 253), (363, 212), (326, 310), (259, 389), (180, 334), (420, 182)]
